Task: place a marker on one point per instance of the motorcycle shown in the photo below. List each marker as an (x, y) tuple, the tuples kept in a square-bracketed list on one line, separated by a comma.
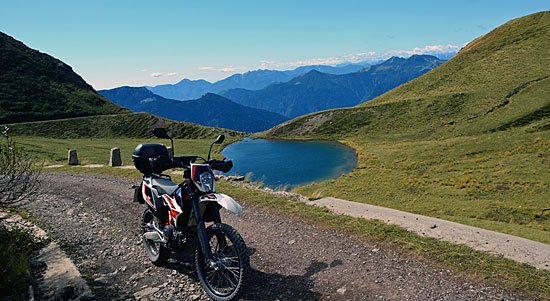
[(176, 216)]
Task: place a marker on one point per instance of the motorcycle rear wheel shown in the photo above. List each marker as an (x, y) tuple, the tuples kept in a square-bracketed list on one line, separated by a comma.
[(156, 251), (226, 280)]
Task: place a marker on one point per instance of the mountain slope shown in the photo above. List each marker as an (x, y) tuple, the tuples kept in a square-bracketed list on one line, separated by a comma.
[(36, 86), (209, 110), (316, 91), (468, 141), (497, 81)]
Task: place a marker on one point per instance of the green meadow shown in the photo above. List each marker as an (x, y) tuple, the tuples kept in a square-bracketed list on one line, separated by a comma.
[(54, 151), (497, 181)]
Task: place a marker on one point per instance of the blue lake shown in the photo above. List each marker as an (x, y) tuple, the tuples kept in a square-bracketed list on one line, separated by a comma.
[(284, 164)]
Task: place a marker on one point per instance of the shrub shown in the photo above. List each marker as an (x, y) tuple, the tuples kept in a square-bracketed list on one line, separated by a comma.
[(15, 248), (19, 176)]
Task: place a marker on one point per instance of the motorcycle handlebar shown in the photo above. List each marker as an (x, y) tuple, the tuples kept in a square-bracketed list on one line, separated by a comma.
[(223, 166), (183, 161), (165, 163)]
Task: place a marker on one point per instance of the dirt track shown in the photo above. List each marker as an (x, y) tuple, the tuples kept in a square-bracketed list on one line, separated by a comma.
[(516, 248), (97, 223)]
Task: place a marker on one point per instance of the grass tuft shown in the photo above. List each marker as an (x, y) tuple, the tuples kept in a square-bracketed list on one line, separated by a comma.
[(15, 250)]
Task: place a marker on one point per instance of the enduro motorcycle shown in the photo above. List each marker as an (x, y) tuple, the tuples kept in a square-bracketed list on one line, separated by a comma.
[(176, 216)]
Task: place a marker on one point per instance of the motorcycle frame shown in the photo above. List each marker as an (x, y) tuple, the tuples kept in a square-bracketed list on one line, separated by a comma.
[(195, 198)]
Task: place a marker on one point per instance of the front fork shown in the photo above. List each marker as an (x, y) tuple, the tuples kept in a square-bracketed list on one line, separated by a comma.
[(201, 229)]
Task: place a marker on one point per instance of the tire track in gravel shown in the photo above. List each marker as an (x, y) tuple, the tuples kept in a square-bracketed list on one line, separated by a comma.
[(96, 221)]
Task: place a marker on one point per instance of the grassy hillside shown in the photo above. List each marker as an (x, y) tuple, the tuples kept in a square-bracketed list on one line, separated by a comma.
[(36, 86), (497, 81), (469, 141), (136, 125)]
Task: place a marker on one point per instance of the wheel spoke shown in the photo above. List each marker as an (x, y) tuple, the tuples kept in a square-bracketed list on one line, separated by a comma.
[(219, 280), (228, 278), (222, 246), (235, 274), (210, 274)]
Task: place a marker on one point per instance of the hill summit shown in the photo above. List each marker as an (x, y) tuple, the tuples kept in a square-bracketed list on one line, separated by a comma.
[(37, 86)]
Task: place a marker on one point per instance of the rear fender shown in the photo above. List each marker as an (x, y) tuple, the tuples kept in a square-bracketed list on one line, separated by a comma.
[(224, 200)]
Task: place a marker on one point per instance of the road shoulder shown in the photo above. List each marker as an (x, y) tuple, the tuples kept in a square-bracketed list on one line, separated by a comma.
[(61, 279), (516, 248)]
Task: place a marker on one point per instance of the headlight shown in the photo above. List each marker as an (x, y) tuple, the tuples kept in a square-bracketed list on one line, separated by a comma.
[(207, 181)]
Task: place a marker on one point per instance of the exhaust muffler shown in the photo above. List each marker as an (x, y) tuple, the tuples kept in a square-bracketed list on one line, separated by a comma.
[(156, 235)]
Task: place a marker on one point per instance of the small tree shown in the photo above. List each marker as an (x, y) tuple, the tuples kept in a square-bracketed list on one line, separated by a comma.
[(19, 176), (18, 180)]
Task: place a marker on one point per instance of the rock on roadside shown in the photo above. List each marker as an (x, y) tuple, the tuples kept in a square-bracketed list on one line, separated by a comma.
[(61, 279)]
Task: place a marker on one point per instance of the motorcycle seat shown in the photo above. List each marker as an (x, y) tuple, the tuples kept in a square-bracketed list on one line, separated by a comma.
[(164, 186)]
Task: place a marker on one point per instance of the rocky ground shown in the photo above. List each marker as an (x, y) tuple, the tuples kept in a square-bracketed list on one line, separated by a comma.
[(97, 224)]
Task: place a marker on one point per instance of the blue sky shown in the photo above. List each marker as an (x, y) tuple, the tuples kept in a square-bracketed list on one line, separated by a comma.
[(115, 43)]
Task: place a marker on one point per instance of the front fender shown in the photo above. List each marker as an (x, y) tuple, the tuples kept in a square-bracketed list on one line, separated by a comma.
[(224, 200)]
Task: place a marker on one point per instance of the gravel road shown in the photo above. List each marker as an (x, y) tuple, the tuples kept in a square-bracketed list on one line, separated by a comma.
[(98, 225), (516, 248)]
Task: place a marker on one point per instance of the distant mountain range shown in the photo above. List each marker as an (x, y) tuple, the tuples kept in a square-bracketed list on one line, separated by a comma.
[(188, 89), (315, 91), (209, 110), (253, 111), (253, 80), (37, 86)]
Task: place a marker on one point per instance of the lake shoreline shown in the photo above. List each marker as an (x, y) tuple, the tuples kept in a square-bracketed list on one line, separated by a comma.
[(286, 164)]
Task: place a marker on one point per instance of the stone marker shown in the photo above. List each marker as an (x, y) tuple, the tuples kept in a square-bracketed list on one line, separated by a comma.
[(73, 157), (170, 152), (115, 157)]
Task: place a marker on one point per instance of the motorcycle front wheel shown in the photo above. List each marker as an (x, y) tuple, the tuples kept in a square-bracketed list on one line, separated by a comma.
[(156, 252), (225, 279)]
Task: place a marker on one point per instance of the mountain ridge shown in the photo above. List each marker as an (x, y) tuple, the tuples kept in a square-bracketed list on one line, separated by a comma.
[(187, 89), (316, 91), (252, 80), (209, 110)]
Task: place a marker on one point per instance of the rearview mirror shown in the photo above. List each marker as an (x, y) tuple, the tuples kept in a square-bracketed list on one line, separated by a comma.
[(220, 139), (161, 133)]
